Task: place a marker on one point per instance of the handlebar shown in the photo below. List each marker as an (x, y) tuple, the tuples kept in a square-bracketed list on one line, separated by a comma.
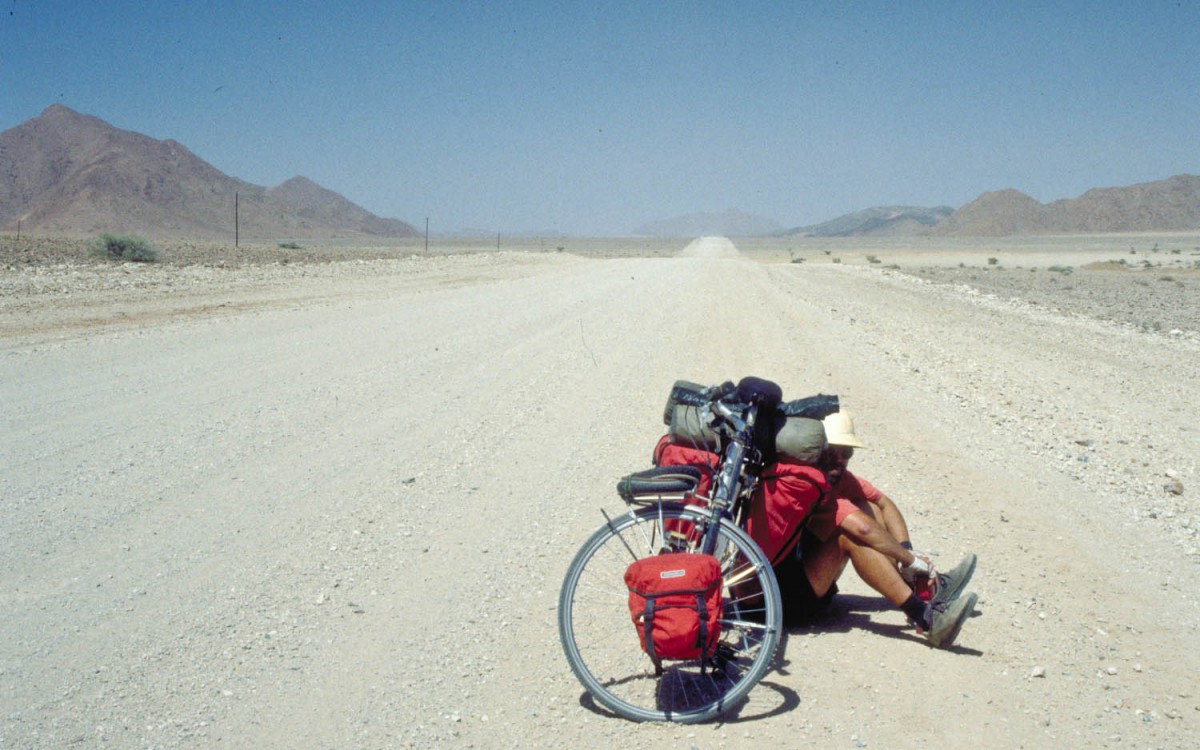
[(723, 412)]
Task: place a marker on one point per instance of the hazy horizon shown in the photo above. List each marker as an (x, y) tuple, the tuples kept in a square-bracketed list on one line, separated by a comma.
[(538, 118)]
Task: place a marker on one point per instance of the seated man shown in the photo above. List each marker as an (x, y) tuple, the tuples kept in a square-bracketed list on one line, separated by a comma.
[(857, 523)]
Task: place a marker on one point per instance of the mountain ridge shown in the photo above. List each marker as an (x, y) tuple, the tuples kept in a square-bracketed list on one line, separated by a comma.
[(69, 173), (73, 173)]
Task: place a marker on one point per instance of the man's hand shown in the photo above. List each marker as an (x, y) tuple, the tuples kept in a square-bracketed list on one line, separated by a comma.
[(921, 566)]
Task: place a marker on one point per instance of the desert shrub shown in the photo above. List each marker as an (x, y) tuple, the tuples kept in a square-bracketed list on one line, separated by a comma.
[(837, 260), (993, 261), (1064, 270), (873, 259), (797, 260), (126, 247), (290, 245), (1166, 278)]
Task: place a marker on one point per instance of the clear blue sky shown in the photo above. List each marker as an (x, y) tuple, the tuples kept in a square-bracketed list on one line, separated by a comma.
[(597, 117)]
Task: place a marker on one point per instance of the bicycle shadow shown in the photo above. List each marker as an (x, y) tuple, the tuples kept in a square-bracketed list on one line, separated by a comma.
[(847, 612), (789, 699)]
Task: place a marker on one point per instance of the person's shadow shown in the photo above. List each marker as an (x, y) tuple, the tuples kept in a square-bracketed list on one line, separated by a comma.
[(857, 612)]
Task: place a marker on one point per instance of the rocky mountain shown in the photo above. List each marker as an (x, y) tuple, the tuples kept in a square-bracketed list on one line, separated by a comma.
[(314, 203), (881, 221), (731, 223), (1167, 205), (74, 174)]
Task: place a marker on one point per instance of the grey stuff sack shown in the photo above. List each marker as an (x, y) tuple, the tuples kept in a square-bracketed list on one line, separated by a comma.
[(799, 440), (684, 423)]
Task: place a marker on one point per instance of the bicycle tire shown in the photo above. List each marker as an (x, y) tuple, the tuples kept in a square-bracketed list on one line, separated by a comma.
[(601, 642)]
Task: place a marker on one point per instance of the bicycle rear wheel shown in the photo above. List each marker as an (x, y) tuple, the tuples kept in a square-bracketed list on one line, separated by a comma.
[(601, 642)]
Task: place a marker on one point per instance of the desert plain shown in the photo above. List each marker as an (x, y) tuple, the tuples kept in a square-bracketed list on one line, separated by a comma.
[(324, 497)]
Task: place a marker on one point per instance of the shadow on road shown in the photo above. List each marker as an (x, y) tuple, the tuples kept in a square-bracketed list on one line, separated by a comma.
[(855, 612)]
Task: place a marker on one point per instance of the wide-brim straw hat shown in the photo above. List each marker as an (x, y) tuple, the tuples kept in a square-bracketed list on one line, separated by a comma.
[(839, 430)]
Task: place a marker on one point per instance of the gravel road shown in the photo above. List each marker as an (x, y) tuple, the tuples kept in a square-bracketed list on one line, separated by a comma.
[(330, 505)]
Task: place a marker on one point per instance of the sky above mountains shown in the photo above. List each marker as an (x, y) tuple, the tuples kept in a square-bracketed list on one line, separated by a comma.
[(528, 117)]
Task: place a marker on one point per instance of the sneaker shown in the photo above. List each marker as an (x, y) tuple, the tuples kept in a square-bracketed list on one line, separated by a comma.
[(950, 585), (948, 618)]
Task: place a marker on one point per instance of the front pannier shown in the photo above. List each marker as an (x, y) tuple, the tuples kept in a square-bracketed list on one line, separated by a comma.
[(675, 604)]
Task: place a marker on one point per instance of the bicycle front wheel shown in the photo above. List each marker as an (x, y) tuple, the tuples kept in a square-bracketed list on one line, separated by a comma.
[(602, 644)]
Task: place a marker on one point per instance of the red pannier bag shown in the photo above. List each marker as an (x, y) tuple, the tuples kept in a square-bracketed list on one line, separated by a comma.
[(667, 453), (786, 495), (675, 603)]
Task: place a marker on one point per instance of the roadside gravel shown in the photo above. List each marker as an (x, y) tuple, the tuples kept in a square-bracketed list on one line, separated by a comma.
[(329, 504)]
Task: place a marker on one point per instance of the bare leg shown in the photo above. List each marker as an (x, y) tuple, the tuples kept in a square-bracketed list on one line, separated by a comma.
[(825, 562), (877, 570)]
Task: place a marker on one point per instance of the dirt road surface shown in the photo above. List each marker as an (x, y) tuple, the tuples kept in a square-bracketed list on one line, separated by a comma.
[(333, 509)]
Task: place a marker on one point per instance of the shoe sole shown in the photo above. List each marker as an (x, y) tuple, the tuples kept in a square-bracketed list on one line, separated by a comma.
[(947, 637)]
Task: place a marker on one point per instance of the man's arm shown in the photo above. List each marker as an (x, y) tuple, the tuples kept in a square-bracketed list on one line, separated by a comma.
[(893, 519), (865, 530)]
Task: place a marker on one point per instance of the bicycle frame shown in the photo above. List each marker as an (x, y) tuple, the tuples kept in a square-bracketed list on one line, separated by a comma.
[(729, 480)]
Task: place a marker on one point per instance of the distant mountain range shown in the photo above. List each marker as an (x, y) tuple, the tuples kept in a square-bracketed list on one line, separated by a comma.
[(882, 221), (69, 173), (73, 174), (1169, 205)]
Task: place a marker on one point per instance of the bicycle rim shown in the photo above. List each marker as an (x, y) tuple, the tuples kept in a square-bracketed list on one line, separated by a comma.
[(601, 641)]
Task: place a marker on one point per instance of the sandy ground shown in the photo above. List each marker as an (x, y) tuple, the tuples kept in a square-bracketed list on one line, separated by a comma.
[(330, 504)]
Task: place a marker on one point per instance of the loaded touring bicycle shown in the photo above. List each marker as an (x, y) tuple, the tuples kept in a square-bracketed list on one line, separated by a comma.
[(671, 611)]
